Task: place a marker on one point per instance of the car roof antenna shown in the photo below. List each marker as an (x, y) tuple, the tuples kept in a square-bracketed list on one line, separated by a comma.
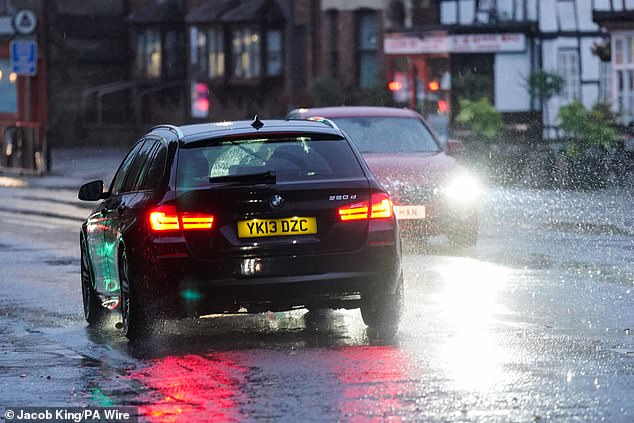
[(257, 123)]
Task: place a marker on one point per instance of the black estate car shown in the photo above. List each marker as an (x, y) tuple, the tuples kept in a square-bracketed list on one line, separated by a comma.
[(229, 216)]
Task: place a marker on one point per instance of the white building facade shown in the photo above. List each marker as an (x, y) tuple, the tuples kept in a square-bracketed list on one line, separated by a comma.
[(497, 44), (617, 18)]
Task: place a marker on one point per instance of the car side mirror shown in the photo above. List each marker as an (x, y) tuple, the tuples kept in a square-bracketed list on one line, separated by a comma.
[(455, 146), (92, 191)]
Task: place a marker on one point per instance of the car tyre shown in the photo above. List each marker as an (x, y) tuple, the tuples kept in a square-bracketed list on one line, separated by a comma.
[(94, 312), (135, 318), (383, 311)]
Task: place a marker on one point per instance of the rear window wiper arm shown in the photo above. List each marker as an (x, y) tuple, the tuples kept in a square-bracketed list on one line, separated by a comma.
[(247, 179)]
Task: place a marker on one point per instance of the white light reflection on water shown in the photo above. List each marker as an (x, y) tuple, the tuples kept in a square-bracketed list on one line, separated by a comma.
[(473, 354)]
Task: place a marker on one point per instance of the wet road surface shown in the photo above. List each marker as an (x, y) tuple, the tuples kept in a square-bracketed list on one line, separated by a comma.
[(533, 324)]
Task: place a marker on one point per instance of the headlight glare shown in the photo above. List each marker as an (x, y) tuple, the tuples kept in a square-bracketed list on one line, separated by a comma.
[(463, 188)]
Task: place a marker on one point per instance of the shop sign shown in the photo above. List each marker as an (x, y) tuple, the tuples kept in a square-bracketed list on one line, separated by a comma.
[(454, 43), (408, 44)]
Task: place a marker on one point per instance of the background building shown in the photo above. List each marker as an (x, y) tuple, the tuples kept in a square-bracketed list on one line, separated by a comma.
[(488, 48), (617, 51), (107, 70)]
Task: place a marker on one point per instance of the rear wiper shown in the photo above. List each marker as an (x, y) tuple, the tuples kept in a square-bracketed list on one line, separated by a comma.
[(250, 178)]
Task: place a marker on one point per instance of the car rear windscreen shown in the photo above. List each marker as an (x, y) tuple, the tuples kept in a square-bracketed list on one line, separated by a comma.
[(296, 158), (388, 134)]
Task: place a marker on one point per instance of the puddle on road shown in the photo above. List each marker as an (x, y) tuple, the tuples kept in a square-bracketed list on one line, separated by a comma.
[(63, 262)]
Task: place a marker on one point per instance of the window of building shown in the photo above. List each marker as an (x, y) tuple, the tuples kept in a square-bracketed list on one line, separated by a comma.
[(159, 53), (568, 68), (173, 56), (215, 53), (8, 88), (246, 53), (367, 45), (148, 53), (623, 73), (274, 53), (208, 55), (605, 81)]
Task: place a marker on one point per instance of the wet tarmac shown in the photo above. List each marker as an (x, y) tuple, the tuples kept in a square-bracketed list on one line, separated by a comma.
[(533, 324)]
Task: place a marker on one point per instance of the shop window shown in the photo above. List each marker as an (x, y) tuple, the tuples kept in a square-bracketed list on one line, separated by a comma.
[(568, 68), (159, 54), (8, 90), (367, 45), (246, 54)]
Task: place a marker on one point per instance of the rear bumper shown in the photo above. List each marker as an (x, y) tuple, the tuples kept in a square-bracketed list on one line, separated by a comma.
[(282, 282)]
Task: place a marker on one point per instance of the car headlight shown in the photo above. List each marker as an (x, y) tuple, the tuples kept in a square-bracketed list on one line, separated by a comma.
[(463, 188)]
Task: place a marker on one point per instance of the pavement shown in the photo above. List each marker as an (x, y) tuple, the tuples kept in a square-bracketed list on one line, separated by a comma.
[(54, 194)]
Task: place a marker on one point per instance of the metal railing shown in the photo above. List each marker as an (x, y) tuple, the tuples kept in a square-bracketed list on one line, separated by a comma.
[(94, 101)]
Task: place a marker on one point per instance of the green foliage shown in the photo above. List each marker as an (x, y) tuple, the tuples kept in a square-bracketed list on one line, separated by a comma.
[(544, 85), (481, 117), (585, 128), (326, 91)]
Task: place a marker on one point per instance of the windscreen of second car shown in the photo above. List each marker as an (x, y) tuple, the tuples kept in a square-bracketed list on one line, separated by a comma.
[(289, 158), (388, 134)]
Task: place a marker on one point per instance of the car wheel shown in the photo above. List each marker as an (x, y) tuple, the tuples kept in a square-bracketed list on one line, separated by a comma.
[(383, 311), (134, 317), (94, 312)]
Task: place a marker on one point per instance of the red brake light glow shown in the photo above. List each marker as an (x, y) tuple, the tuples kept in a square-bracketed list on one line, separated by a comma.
[(380, 208), (197, 221), (356, 211), (165, 218)]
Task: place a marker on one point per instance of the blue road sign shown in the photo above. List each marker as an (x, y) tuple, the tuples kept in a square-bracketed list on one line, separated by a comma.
[(24, 57)]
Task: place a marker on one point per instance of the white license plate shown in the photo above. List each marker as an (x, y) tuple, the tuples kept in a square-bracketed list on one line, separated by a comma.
[(409, 212)]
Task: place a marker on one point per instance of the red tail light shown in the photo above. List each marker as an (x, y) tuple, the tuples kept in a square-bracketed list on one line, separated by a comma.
[(356, 211), (165, 218), (197, 221), (380, 208)]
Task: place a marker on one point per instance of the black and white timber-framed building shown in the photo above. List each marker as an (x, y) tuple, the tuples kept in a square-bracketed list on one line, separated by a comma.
[(489, 48)]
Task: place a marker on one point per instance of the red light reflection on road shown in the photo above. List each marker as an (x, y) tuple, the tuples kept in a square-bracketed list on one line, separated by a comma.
[(375, 382), (192, 388)]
